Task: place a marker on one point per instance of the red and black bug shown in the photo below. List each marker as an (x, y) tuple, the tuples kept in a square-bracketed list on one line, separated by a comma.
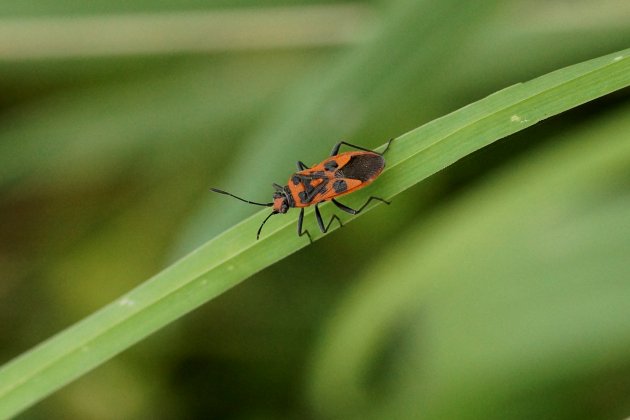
[(340, 174)]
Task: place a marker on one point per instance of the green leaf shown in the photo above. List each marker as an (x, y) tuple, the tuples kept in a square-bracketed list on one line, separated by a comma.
[(234, 255), (518, 288), (342, 100)]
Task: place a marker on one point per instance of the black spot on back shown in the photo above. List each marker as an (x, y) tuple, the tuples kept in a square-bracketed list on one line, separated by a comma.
[(295, 179), (302, 197), (362, 167), (340, 186)]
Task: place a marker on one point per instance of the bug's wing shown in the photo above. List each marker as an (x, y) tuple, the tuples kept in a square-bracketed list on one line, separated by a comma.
[(338, 161), (341, 159), (341, 186)]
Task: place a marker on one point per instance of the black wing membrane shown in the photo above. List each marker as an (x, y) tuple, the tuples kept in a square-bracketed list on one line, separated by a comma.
[(362, 167)]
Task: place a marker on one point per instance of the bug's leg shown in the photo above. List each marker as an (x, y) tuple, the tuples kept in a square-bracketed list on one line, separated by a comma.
[(353, 211), (301, 165), (299, 226), (335, 150), (389, 142), (320, 221)]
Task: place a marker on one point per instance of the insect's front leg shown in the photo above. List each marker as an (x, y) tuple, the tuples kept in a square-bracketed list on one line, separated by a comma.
[(301, 165), (299, 226)]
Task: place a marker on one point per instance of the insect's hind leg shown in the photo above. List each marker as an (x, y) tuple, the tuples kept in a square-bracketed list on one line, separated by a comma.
[(353, 211), (301, 165), (299, 226), (335, 150), (389, 142), (320, 221)]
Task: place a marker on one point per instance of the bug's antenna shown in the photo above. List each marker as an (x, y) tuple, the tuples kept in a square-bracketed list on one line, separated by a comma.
[(263, 223), (242, 199)]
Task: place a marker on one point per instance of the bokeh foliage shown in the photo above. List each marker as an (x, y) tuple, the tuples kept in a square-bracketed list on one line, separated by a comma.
[(496, 286)]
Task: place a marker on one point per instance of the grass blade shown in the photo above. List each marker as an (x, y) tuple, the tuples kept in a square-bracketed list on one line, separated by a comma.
[(501, 258), (231, 257)]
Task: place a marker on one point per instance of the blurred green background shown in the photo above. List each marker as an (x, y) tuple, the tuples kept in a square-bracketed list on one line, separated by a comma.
[(498, 288)]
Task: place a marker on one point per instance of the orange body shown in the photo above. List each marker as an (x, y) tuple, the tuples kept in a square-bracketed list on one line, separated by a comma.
[(340, 174), (336, 176)]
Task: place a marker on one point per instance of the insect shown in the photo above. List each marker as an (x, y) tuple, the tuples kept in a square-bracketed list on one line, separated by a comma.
[(340, 174)]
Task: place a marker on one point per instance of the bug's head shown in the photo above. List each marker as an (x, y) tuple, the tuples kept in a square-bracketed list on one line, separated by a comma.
[(280, 202), (280, 205)]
